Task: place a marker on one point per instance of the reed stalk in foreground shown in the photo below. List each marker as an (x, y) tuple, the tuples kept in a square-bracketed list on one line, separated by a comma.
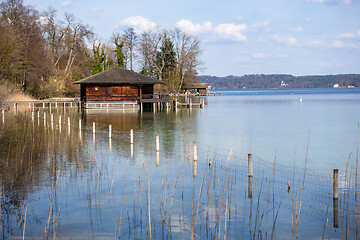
[(356, 184), (302, 190)]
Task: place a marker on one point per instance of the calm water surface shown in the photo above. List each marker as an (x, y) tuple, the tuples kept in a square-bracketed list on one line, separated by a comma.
[(61, 181)]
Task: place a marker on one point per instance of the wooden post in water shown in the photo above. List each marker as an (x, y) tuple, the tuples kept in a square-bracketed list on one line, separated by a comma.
[(250, 165), (131, 136), (110, 131), (195, 151), (15, 106), (157, 143), (43, 105), (3, 116), (80, 124), (56, 104), (94, 128), (59, 123), (335, 184), (110, 144)]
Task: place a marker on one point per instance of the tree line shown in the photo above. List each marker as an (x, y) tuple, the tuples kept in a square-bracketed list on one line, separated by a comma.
[(275, 80), (43, 55)]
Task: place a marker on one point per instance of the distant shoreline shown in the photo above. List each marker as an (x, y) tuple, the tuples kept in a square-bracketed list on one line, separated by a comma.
[(282, 81)]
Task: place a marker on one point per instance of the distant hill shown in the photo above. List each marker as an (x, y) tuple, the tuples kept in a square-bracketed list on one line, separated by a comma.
[(281, 81)]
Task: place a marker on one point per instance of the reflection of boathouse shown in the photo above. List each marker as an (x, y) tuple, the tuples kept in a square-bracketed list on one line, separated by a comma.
[(118, 88)]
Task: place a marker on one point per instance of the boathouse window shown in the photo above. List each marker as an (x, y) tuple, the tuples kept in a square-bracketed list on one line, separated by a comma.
[(96, 88)]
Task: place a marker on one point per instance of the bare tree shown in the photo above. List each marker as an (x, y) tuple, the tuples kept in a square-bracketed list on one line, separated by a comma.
[(187, 50), (130, 41)]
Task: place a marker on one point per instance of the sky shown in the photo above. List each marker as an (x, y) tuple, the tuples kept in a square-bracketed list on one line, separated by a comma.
[(298, 37)]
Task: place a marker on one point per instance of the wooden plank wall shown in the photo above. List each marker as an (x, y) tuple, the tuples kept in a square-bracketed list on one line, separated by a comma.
[(124, 93)]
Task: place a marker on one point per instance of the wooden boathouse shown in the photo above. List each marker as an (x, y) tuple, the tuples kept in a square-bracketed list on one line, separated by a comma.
[(196, 88), (119, 88)]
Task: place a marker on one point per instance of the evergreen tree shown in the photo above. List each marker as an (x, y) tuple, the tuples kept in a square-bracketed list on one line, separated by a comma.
[(120, 58), (99, 59), (166, 58)]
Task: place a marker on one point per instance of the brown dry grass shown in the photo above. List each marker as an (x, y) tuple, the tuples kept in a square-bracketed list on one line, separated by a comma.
[(17, 96)]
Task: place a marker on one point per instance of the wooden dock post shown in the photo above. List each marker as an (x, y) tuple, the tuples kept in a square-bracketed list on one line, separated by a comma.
[(3, 116), (15, 106), (80, 124), (157, 143), (195, 151), (110, 131), (43, 105), (335, 184), (69, 122), (94, 128), (55, 104), (131, 136), (250, 165), (110, 144)]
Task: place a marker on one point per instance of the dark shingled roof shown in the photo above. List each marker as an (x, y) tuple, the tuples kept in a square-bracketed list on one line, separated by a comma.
[(119, 75)]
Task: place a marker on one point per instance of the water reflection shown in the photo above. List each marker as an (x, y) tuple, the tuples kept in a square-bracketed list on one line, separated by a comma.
[(73, 183)]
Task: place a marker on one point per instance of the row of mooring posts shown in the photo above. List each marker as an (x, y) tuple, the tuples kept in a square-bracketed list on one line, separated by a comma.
[(335, 189)]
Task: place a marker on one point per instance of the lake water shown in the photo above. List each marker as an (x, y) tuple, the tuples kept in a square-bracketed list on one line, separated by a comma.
[(62, 181)]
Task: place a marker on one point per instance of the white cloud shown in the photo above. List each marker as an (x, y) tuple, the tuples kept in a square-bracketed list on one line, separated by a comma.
[(258, 55), (189, 27), (139, 23), (284, 39), (349, 35), (231, 30), (66, 4), (222, 31), (342, 44), (282, 55), (297, 29)]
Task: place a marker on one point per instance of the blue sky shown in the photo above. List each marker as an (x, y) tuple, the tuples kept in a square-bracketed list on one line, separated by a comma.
[(299, 37)]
